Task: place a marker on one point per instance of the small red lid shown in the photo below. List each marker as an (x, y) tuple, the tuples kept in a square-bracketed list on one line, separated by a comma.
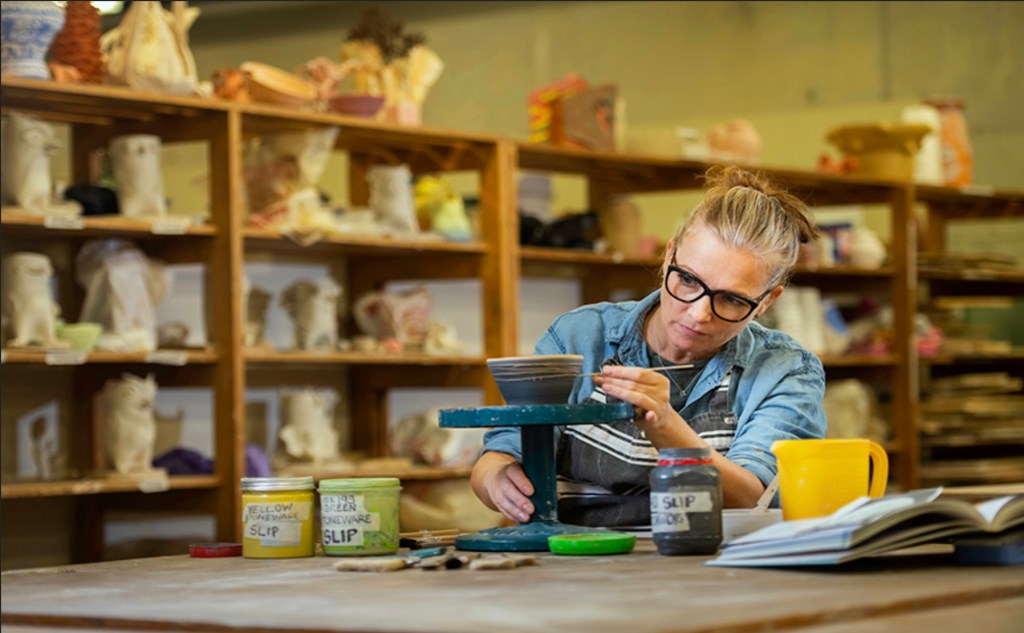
[(214, 550)]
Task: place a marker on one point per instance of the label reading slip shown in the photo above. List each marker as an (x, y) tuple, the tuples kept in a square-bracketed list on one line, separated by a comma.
[(346, 521), (66, 357), (171, 226), (276, 524), (60, 222), (165, 357), (670, 511)]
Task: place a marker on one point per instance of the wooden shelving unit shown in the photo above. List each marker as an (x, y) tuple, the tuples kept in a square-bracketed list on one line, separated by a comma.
[(972, 433), (224, 243)]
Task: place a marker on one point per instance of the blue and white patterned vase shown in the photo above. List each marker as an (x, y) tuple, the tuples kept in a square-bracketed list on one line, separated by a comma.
[(28, 29)]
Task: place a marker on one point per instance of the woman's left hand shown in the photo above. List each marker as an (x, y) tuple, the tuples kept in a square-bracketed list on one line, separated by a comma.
[(645, 389)]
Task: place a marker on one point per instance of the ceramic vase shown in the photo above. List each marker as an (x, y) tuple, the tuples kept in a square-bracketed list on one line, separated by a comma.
[(29, 144), (140, 186), (28, 31), (312, 305)]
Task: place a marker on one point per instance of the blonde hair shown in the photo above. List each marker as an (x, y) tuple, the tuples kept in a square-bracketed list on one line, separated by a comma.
[(749, 211)]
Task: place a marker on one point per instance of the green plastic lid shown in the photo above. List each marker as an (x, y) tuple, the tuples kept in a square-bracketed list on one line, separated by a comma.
[(356, 484), (592, 544)]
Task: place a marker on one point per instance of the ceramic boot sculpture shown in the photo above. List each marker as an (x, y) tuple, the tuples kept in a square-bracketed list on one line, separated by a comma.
[(140, 186)]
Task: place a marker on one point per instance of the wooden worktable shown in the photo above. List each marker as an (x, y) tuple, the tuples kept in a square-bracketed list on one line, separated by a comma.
[(642, 591)]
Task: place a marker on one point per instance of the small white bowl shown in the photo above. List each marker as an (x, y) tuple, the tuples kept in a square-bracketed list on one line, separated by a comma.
[(737, 522)]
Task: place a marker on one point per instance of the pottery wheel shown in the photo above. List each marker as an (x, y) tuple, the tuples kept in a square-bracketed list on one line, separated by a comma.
[(537, 424)]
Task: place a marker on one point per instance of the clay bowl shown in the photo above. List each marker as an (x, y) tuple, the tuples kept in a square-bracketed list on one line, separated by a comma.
[(366, 106), (525, 380), (269, 84)]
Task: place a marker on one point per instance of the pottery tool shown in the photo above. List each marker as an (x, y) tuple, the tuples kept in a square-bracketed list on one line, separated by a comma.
[(596, 373), (427, 538), (766, 497), (662, 368), (394, 562)]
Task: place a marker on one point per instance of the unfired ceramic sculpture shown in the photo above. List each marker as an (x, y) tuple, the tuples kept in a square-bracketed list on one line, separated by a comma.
[(28, 145), (28, 307), (313, 309), (391, 197), (255, 302), (122, 290), (129, 424), (308, 433), (135, 159), (404, 316), (149, 49)]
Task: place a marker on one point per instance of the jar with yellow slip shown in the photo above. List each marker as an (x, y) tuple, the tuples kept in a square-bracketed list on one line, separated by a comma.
[(277, 517)]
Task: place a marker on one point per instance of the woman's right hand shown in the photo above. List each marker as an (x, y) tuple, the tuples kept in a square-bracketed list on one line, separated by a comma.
[(498, 479)]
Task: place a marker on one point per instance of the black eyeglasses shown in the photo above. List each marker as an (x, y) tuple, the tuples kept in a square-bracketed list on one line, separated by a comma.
[(726, 305)]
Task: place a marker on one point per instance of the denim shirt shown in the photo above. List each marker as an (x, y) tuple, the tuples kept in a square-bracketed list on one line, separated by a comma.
[(776, 388)]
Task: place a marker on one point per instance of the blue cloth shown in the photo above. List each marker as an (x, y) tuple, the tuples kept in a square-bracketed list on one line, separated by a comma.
[(776, 389)]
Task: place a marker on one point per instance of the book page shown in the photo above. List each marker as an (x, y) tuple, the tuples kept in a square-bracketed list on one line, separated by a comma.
[(990, 510)]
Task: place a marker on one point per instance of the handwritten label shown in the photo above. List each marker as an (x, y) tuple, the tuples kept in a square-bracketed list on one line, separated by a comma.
[(165, 357), (171, 226), (345, 520), (670, 511), (66, 357), (61, 222), (276, 524)]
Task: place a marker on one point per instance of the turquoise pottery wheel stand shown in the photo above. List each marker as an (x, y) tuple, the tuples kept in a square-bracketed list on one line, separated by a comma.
[(537, 424)]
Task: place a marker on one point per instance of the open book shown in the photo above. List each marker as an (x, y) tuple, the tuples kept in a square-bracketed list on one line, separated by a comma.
[(869, 526)]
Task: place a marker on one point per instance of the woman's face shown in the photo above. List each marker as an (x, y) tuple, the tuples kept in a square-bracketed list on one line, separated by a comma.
[(691, 331)]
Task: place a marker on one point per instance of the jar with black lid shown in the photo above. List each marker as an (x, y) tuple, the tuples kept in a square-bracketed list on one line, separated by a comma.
[(686, 502)]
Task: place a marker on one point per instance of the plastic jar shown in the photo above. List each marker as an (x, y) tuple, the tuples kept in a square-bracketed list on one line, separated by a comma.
[(277, 517), (686, 502), (359, 517)]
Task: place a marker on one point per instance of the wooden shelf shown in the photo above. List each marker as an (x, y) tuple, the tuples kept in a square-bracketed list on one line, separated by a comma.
[(859, 360), (95, 486), (971, 202), (954, 359), (1001, 276), (273, 240), (70, 357), (21, 223), (541, 254), (412, 473), (357, 358)]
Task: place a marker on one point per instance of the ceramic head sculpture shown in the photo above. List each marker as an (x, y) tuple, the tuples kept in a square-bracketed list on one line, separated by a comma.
[(28, 307), (140, 186), (391, 197), (129, 424), (308, 433), (312, 306)]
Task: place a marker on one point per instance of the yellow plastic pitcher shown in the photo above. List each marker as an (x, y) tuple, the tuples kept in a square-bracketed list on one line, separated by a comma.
[(817, 477)]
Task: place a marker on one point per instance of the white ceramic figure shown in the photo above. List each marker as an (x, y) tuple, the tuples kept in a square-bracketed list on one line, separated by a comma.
[(122, 290), (129, 424), (401, 315), (866, 248), (135, 159), (28, 145), (255, 302), (307, 433), (28, 307), (313, 309), (391, 197), (282, 172)]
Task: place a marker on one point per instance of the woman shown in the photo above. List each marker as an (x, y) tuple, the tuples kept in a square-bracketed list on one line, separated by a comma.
[(748, 385)]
